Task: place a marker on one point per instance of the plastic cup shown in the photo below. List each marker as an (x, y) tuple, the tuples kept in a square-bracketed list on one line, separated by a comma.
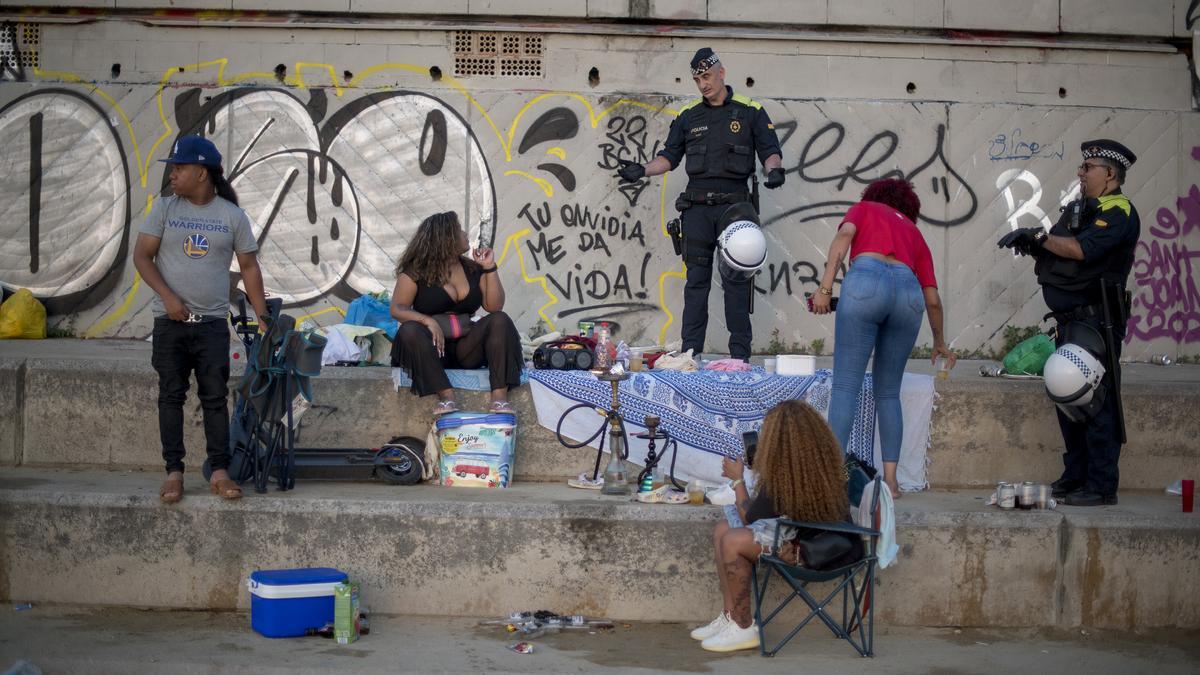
[(1189, 494), (635, 363), (695, 494), (943, 368), (769, 366)]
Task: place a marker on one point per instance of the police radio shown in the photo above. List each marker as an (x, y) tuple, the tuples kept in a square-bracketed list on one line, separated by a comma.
[(570, 353)]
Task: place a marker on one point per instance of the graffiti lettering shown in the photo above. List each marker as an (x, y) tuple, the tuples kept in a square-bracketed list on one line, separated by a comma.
[(1165, 288), (573, 215), (804, 273), (1009, 146), (865, 168), (628, 138)]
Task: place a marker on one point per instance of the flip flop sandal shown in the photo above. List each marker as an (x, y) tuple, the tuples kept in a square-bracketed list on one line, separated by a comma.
[(585, 483), (226, 488), (171, 491), (444, 407), (501, 407)]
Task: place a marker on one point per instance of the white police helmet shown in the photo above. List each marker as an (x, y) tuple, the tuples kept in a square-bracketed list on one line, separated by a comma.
[(1072, 375), (742, 246)]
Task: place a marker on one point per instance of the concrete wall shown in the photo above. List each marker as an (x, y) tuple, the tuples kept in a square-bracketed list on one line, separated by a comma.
[(339, 157)]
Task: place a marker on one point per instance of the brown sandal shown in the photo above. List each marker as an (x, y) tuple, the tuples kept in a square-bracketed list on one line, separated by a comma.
[(226, 488), (171, 491)]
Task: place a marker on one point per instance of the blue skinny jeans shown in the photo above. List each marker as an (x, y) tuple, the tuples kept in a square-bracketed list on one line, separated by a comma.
[(879, 312)]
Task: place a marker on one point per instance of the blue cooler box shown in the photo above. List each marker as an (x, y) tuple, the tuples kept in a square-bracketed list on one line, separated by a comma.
[(286, 603)]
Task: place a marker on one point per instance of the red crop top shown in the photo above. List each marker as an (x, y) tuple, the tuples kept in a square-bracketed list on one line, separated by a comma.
[(881, 229)]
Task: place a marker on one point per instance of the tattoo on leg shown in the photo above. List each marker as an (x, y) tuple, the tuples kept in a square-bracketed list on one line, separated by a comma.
[(737, 578)]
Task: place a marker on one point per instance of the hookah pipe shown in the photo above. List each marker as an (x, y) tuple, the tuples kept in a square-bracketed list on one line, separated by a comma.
[(652, 460), (612, 421)]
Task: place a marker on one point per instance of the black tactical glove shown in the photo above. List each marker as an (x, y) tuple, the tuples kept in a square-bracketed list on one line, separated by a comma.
[(1025, 240), (631, 172), (775, 178)]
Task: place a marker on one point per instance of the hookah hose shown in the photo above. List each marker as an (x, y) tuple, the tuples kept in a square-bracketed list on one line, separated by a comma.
[(608, 414)]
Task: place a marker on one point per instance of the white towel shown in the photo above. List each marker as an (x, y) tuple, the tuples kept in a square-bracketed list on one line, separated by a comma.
[(886, 548)]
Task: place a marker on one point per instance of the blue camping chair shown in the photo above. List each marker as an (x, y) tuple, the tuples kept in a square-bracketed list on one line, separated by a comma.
[(855, 583)]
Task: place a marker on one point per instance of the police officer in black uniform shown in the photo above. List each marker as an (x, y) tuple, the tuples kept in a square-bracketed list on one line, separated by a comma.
[(719, 135), (1083, 265)]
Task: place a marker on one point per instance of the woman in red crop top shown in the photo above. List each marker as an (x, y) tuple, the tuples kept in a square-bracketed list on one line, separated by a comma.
[(436, 285), (889, 286)]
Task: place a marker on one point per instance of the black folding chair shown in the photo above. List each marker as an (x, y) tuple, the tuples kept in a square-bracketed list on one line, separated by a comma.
[(855, 583)]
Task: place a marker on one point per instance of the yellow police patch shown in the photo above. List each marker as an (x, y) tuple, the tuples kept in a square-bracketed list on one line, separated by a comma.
[(735, 126), (1101, 223)]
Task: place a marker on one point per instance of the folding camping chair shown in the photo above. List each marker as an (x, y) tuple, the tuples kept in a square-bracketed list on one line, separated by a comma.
[(279, 366), (854, 582)]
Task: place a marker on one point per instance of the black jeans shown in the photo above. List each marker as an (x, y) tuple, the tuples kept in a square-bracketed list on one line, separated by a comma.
[(700, 223), (181, 349)]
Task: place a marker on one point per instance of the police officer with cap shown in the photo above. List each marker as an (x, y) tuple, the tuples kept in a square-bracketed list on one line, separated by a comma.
[(1083, 265), (719, 135)]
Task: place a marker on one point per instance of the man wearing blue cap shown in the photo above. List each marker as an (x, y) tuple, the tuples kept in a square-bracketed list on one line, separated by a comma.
[(1083, 265), (183, 251), (719, 134)]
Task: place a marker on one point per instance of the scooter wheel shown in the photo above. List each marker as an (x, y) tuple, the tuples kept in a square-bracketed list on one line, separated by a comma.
[(411, 465)]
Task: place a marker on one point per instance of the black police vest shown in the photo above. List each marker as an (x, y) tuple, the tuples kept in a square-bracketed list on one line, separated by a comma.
[(1077, 275), (719, 141)]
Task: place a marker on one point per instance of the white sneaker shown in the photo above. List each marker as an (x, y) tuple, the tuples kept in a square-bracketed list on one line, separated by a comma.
[(732, 637), (705, 632)]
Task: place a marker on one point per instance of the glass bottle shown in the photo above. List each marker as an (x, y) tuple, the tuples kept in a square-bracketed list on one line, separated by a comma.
[(603, 343)]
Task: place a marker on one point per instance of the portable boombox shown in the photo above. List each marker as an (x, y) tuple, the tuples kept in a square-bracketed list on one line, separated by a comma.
[(569, 353)]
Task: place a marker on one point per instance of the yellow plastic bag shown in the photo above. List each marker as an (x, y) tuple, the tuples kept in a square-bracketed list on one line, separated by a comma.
[(22, 317)]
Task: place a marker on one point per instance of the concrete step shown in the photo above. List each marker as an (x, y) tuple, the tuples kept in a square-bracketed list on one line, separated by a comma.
[(984, 429), (102, 538)]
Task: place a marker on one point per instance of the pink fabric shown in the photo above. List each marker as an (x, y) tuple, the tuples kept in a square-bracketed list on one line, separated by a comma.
[(881, 229), (728, 365)]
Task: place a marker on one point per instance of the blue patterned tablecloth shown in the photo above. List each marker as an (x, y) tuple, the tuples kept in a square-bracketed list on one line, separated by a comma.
[(710, 410)]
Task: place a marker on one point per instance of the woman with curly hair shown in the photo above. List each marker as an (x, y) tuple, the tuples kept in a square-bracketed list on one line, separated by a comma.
[(801, 477), (889, 286), (438, 290)]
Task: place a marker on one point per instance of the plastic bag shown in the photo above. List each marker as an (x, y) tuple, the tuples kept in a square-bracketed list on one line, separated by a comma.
[(1030, 356), (369, 310), (22, 317)]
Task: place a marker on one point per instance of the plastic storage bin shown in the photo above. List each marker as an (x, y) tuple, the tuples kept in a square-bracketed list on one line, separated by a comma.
[(476, 449), (286, 603)]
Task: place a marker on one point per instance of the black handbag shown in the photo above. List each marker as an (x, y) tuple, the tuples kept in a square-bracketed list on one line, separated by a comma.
[(823, 549), (454, 326)]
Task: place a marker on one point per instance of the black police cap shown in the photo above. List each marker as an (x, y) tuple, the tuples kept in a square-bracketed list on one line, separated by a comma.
[(1108, 149), (704, 59)]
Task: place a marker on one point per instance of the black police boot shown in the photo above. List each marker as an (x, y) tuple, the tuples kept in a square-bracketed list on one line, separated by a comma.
[(1064, 486), (1088, 498)]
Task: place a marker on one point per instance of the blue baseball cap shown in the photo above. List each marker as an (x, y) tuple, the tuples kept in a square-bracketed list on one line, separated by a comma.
[(194, 150)]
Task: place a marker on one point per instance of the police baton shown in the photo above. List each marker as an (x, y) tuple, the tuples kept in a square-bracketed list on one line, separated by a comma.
[(1111, 352)]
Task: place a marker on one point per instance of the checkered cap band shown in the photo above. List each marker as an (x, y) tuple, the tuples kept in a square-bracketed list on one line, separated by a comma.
[(704, 64), (1107, 154), (1079, 363)]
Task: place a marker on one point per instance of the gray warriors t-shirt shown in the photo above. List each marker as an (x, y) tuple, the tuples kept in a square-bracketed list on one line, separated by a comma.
[(197, 247)]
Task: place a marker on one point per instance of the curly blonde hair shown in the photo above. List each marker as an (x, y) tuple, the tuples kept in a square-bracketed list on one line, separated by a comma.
[(434, 244), (801, 465)]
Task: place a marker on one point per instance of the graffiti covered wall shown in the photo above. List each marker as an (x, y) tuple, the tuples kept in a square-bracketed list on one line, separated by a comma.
[(337, 171)]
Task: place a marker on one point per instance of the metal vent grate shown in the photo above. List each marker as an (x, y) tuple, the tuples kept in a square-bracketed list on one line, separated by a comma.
[(492, 54), (19, 45)]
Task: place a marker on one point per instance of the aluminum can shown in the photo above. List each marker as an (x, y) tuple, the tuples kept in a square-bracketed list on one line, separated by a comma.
[(1043, 496), (991, 371), (1006, 496), (587, 329), (1161, 359), (1027, 495)]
